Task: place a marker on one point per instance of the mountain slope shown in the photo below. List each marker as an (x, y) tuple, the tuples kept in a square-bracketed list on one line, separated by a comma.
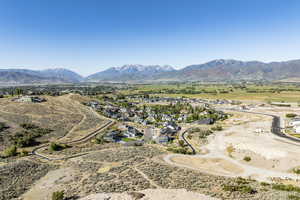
[(24, 76), (216, 70), (62, 74), (235, 70), (130, 73)]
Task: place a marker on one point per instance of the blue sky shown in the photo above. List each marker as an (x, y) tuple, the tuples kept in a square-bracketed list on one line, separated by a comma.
[(88, 36)]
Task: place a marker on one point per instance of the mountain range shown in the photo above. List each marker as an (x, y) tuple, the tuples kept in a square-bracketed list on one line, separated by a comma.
[(216, 70)]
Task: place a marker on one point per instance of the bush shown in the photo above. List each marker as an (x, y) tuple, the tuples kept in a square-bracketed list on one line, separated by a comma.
[(264, 184), (291, 115), (180, 150), (28, 126), (204, 133), (247, 158), (181, 143), (56, 147), (294, 197), (217, 128), (10, 151), (239, 188), (289, 188), (27, 137), (59, 195), (24, 153), (2, 126), (230, 149), (99, 140)]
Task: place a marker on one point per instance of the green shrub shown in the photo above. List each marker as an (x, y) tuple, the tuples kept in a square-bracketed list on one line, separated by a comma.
[(180, 150), (2, 126), (28, 126), (10, 151), (239, 188), (59, 195), (217, 128), (241, 181), (247, 158), (204, 133), (296, 170), (291, 115), (57, 147), (264, 184), (27, 137), (181, 143), (294, 197), (99, 139), (24, 153), (289, 188)]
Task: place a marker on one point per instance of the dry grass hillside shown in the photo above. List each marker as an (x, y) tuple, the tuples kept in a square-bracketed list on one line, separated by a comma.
[(64, 115)]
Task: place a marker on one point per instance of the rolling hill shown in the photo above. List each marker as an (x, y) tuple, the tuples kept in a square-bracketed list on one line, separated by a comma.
[(24, 76)]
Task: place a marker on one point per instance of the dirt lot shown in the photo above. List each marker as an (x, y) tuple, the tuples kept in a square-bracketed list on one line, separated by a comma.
[(214, 165), (247, 144)]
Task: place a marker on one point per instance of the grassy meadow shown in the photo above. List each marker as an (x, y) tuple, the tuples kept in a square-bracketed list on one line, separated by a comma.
[(277, 92)]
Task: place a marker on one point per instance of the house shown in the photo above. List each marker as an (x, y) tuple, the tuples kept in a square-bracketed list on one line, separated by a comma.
[(113, 136), (132, 132), (93, 104), (30, 99)]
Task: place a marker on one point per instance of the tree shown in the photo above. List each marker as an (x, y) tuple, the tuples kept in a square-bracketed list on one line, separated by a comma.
[(247, 158), (291, 115), (55, 147), (18, 91), (10, 151), (58, 195), (181, 143)]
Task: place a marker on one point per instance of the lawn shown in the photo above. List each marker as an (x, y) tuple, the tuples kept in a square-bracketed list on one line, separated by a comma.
[(128, 139)]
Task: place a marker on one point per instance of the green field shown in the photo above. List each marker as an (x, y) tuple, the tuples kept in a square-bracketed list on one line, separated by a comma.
[(256, 92)]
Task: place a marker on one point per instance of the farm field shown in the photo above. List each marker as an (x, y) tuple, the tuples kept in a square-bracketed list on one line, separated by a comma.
[(247, 92)]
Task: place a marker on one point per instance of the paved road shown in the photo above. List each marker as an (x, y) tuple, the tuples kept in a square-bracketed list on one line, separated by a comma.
[(185, 140), (83, 139)]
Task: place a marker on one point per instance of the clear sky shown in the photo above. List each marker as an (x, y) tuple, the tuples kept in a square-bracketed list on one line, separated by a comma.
[(88, 36)]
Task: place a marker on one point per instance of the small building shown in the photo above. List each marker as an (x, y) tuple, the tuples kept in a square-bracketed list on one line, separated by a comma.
[(113, 136), (132, 132)]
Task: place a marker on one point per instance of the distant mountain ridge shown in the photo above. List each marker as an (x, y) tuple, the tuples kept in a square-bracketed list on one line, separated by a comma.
[(215, 70), (25, 76), (130, 73), (236, 70)]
